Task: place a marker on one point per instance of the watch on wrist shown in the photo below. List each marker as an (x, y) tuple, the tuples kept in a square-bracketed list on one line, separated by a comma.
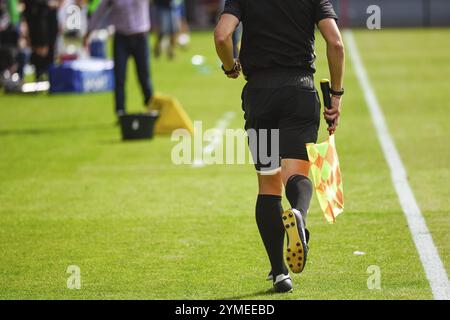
[(233, 70), (337, 93)]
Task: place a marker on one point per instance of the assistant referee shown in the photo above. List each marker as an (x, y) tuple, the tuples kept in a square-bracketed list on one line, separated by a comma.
[(277, 59)]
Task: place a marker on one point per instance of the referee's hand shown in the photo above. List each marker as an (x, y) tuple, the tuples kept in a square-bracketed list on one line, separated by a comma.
[(333, 114), (234, 75), (235, 72)]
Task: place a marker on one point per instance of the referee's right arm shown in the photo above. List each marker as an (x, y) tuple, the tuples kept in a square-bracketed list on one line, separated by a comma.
[(223, 39)]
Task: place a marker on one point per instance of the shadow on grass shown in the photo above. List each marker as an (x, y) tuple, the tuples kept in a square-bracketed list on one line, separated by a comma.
[(269, 292), (43, 131)]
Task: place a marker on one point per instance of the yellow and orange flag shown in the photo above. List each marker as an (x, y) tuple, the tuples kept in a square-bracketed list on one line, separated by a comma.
[(327, 177), (326, 174)]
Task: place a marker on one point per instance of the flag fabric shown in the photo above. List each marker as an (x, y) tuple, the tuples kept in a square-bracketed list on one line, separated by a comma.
[(327, 177)]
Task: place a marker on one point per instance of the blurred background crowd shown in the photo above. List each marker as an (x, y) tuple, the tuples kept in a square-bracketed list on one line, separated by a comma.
[(34, 34)]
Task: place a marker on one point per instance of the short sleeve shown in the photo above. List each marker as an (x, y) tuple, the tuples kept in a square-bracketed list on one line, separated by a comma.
[(323, 10), (233, 7)]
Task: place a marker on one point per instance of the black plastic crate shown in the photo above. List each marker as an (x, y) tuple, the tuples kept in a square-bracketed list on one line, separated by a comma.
[(138, 126)]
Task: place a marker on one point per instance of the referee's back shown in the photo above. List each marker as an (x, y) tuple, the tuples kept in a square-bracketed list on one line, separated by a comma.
[(278, 33)]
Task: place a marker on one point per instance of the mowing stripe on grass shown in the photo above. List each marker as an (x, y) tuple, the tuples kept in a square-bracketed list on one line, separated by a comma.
[(221, 125), (432, 263)]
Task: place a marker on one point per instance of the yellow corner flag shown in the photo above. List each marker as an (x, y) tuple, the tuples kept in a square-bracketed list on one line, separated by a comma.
[(327, 178)]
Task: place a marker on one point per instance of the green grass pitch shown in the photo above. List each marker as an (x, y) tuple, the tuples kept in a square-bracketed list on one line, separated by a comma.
[(139, 227)]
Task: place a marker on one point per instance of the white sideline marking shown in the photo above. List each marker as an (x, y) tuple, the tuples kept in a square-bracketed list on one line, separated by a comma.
[(221, 125), (432, 263)]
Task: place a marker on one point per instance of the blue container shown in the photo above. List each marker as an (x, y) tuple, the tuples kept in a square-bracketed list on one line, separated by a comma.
[(97, 49), (79, 76)]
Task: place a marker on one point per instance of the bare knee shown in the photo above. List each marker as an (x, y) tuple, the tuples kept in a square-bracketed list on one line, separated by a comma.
[(270, 184), (290, 167)]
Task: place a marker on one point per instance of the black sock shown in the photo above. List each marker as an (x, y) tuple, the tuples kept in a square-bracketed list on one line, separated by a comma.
[(40, 65), (299, 192), (271, 229)]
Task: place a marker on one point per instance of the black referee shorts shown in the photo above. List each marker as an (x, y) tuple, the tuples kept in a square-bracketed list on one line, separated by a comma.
[(282, 115)]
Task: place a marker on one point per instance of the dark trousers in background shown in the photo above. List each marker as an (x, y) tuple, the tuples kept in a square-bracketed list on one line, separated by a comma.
[(137, 46), (43, 32), (53, 30)]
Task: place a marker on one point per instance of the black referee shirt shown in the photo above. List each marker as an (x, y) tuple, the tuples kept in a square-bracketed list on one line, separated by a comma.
[(278, 34)]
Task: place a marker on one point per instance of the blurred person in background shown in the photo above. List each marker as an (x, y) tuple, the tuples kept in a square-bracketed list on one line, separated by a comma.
[(131, 19), (53, 28), (42, 19), (9, 38), (212, 9), (13, 45), (183, 37), (9, 13), (168, 25)]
